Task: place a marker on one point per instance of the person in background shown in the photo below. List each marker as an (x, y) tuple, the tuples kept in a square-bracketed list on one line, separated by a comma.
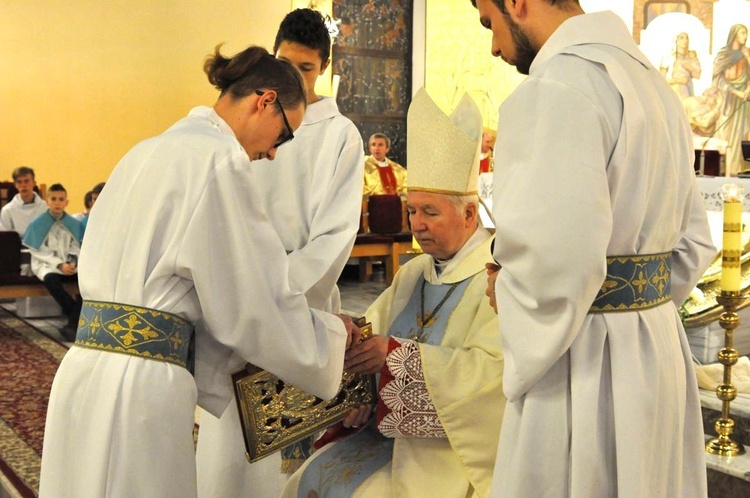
[(312, 195), (486, 160), (87, 203), (596, 180), (382, 176), (54, 241), (95, 192), (25, 205), (184, 281)]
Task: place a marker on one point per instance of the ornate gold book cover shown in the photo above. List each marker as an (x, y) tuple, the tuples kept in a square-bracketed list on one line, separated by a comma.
[(274, 414)]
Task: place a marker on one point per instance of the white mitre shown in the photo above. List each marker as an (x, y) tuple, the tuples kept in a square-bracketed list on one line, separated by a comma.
[(443, 151)]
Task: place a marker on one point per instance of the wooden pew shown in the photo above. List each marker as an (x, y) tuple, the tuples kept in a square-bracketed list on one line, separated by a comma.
[(14, 285)]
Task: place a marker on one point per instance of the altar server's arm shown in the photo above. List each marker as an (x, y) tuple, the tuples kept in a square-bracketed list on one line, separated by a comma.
[(240, 271), (694, 251)]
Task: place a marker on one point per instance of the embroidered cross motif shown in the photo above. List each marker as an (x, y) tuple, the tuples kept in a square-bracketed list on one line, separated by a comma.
[(131, 322)]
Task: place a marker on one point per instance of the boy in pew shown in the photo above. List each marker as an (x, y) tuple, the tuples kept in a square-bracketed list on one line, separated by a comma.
[(54, 240)]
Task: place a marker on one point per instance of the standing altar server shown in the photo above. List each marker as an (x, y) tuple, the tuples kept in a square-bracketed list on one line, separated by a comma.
[(597, 210), (312, 193), (179, 237)]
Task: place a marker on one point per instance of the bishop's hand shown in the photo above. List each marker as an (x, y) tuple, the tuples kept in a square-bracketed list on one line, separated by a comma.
[(368, 356), (358, 417)]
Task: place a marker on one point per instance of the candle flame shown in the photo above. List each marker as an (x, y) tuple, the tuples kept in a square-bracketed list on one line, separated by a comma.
[(732, 192)]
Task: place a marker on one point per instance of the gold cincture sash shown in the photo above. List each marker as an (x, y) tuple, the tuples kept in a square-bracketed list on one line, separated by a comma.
[(635, 283), (122, 328)]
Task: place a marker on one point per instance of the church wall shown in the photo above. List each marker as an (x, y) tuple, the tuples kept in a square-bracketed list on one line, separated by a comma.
[(458, 57), (85, 80), (458, 60)]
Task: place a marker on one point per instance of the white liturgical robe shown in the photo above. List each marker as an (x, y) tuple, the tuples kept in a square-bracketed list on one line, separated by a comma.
[(198, 245), (312, 192), (16, 215), (596, 161)]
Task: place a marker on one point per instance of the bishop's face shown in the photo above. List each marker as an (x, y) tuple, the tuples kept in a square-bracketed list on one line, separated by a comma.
[(437, 225)]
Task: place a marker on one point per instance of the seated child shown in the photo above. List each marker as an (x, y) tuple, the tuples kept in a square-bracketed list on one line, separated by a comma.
[(54, 241)]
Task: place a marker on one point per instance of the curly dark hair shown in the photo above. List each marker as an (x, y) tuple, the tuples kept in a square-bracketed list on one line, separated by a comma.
[(306, 27)]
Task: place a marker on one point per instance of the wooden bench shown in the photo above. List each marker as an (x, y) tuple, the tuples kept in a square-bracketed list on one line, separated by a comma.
[(13, 285), (387, 248), (369, 246)]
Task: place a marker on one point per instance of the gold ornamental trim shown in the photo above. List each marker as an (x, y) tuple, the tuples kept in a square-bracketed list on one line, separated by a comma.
[(274, 414)]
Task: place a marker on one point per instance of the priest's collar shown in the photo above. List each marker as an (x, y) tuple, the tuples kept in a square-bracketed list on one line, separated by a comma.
[(440, 270)]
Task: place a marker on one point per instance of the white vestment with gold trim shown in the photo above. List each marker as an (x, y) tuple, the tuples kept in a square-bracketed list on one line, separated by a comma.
[(178, 228), (596, 161)]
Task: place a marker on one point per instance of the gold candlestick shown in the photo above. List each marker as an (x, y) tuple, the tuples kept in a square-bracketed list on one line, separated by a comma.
[(726, 392), (731, 298)]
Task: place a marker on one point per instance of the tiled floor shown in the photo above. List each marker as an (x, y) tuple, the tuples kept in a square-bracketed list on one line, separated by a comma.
[(356, 296), (355, 299)]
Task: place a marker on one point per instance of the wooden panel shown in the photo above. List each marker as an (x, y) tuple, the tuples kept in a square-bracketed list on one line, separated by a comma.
[(372, 56)]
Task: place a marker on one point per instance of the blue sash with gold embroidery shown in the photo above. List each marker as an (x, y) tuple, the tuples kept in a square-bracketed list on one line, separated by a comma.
[(122, 328), (635, 283)]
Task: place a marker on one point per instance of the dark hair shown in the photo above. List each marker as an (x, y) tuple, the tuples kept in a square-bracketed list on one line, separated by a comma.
[(383, 136), (22, 171), (501, 4), (306, 27), (88, 199), (255, 69), (57, 187), (98, 188)]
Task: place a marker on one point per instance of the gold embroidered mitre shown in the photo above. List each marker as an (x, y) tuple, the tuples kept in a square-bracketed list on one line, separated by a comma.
[(443, 151)]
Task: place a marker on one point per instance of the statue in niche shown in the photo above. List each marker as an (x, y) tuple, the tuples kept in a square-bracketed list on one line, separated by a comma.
[(731, 75), (681, 67)]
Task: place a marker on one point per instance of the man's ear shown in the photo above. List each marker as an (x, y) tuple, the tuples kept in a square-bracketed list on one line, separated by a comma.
[(516, 7), (325, 66), (267, 99), (471, 211)]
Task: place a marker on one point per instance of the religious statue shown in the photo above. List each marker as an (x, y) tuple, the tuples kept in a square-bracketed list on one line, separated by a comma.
[(681, 67), (731, 75)]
